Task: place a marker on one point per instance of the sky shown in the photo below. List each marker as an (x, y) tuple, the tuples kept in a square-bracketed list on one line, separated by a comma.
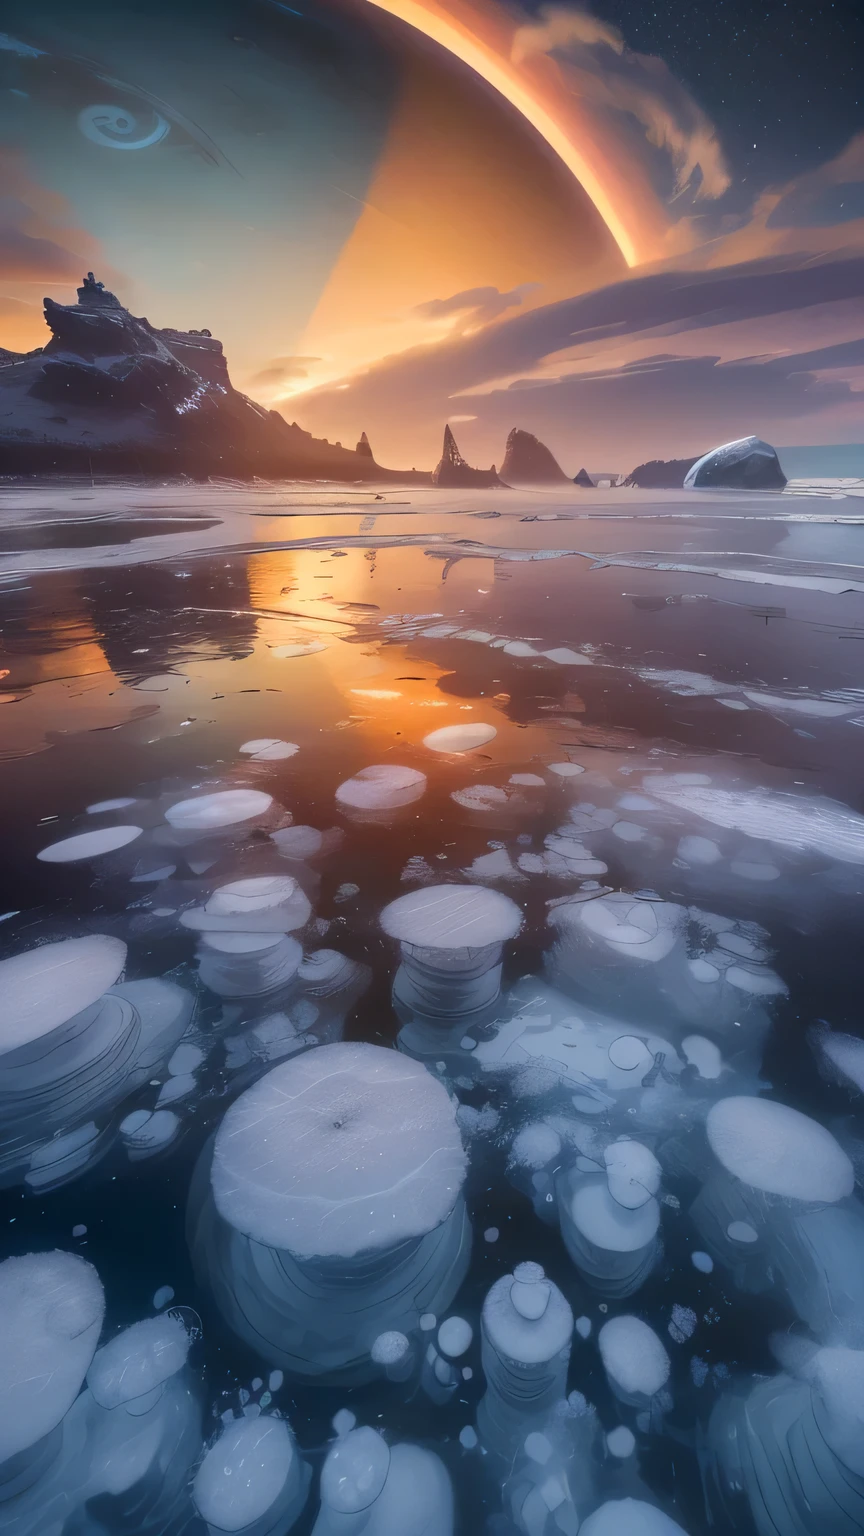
[(636, 231)]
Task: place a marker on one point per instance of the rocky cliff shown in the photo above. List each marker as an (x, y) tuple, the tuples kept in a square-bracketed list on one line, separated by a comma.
[(456, 473), (660, 474), (112, 393), (527, 461)]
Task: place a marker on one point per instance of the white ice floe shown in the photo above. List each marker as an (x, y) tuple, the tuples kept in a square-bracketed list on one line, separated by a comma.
[(298, 648), (629, 1517), (145, 1133), (137, 1361), (632, 1173), (776, 1149), (452, 917), (51, 1309), (791, 821), (224, 808), (349, 1147), (88, 845), (566, 770), (800, 704), (633, 1357), (45, 987), (269, 749), (383, 787), (265, 904), (246, 1475), (565, 657), (121, 804), (698, 850), (460, 738), (403, 1491)]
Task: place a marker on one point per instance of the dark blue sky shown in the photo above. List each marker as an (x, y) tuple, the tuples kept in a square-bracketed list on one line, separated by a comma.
[(785, 76)]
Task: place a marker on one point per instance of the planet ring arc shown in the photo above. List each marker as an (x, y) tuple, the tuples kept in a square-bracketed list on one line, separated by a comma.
[(495, 72)]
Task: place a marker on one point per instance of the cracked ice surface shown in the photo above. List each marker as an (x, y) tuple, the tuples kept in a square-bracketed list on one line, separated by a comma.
[(346, 1149)]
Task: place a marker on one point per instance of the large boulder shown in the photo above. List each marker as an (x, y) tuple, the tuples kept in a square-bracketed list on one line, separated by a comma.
[(748, 464)]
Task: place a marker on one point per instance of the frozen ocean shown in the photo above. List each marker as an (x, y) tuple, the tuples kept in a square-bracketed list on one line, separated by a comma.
[(430, 1011)]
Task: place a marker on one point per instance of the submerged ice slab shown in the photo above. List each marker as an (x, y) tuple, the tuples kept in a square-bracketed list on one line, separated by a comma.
[(224, 808), (51, 1309), (818, 826), (88, 845), (138, 1360), (347, 1148), (635, 1361), (45, 987), (253, 1469), (526, 1331), (452, 917), (773, 1148), (460, 738), (383, 787)]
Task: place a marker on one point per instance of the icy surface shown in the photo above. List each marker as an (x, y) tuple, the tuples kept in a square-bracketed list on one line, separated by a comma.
[(823, 826), (51, 1308), (774, 1148), (348, 1148)]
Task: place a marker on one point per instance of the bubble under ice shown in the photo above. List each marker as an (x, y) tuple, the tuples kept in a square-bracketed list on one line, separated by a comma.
[(634, 1359), (51, 1309), (252, 1478), (526, 1329), (369, 1487), (451, 939), (68, 1066), (777, 1149), (329, 1209)]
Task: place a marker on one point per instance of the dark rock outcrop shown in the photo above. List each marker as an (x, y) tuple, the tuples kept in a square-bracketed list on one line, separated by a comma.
[(454, 472), (748, 464), (527, 461), (590, 479), (364, 447), (660, 474), (112, 393)]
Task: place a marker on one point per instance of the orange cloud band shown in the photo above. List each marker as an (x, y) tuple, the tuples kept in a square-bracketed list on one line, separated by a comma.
[(482, 38)]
